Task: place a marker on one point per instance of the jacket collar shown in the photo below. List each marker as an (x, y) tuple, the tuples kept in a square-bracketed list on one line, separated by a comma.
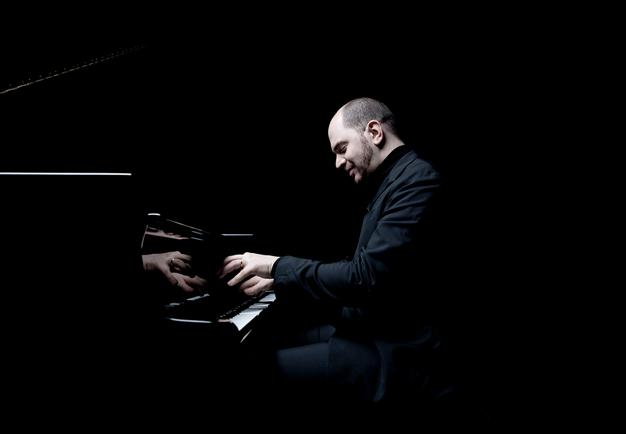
[(389, 170)]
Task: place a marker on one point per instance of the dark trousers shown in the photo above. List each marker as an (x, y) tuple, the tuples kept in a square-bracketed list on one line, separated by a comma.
[(305, 362), (289, 356)]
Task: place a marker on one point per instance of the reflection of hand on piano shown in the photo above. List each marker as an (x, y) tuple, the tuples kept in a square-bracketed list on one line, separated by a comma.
[(190, 283), (159, 233), (176, 268)]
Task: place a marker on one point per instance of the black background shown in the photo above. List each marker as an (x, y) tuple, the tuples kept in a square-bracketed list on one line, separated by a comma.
[(231, 132), (227, 129)]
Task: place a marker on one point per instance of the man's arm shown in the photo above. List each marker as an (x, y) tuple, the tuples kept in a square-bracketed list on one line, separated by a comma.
[(380, 259)]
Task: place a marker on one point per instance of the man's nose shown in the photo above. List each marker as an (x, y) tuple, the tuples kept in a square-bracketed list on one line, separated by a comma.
[(339, 161)]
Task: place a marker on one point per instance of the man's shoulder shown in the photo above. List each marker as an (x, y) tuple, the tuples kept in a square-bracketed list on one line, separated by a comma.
[(415, 166)]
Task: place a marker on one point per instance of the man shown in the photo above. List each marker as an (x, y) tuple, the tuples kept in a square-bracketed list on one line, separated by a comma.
[(377, 342)]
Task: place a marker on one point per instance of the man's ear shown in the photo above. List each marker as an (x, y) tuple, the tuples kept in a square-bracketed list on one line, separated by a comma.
[(374, 130)]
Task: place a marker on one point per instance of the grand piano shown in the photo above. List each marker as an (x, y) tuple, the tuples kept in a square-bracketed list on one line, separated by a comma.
[(205, 343), (79, 314), (218, 309)]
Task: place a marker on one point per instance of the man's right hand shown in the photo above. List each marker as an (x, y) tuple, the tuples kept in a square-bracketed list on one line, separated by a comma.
[(256, 285), (247, 264)]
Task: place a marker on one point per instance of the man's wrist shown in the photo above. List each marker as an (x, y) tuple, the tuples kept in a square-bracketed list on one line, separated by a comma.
[(272, 264), (148, 265)]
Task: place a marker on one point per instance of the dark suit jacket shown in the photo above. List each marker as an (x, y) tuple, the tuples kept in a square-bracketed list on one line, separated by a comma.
[(383, 335)]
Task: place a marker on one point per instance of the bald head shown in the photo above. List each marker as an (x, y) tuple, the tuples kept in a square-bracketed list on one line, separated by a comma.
[(362, 134), (358, 112)]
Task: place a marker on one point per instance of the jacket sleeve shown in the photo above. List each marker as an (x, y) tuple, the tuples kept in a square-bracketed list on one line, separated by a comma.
[(377, 262)]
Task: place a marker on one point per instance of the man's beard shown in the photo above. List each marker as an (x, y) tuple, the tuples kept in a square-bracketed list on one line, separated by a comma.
[(366, 158)]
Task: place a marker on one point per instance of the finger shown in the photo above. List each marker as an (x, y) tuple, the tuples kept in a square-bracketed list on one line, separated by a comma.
[(171, 278), (197, 282), (249, 282), (255, 289), (189, 284), (226, 269), (239, 277), (232, 258), (179, 265), (230, 267), (259, 287), (183, 257), (184, 286)]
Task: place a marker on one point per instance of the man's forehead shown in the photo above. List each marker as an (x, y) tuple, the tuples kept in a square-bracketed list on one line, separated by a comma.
[(336, 129), (336, 120), (333, 125)]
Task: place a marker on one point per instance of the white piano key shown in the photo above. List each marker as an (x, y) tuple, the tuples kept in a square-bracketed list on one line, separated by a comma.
[(258, 306), (243, 318), (268, 298)]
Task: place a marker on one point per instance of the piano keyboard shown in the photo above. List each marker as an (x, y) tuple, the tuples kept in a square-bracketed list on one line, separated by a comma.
[(241, 317), (221, 308)]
